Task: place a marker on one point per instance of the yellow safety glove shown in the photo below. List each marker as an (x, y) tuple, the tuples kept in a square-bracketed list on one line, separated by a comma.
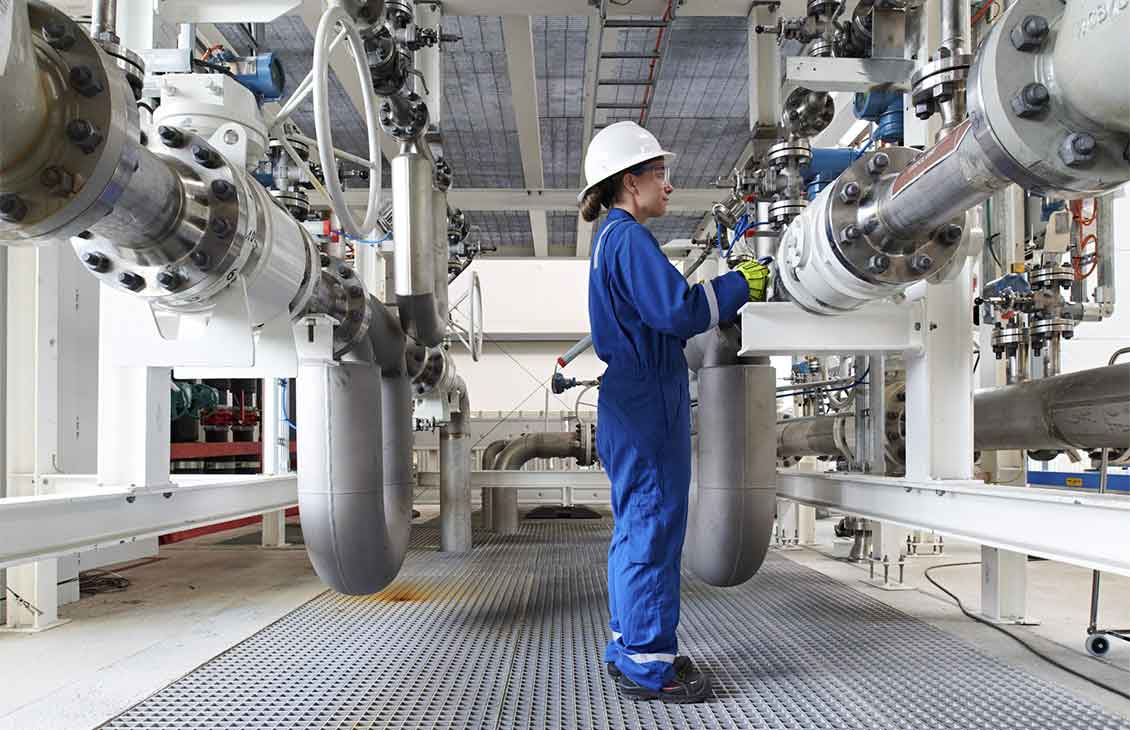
[(757, 276)]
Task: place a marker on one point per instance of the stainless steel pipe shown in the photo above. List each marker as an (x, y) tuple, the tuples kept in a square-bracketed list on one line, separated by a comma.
[(504, 503), (732, 504), (340, 478), (1085, 409), (489, 457), (455, 479), (1088, 409), (413, 225)]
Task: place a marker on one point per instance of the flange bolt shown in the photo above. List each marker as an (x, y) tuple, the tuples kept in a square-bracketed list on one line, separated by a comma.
[(1029, 34), (851, 233), (84, 82), (170, 136), (920, 263), (223, 190), (950, 234), (205, 156), (96, 262), (878, 264), (1077, 149), (84, 134), (169, 280), (131, 281), (12, 208), (850, 192), (58, 35), (221, 227), (878, 163), (1031, 100)]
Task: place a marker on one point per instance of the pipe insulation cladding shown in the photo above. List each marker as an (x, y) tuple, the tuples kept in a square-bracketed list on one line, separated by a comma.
[(733, 502)]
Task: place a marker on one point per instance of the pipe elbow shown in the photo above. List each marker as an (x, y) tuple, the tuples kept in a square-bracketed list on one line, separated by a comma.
[(354, 524), (733, 502)]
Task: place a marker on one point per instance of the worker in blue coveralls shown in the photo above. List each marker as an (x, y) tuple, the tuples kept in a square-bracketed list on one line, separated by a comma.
[(642, 312)]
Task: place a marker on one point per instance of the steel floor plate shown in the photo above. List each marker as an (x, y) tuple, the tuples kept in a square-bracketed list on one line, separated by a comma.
[(510, 636)]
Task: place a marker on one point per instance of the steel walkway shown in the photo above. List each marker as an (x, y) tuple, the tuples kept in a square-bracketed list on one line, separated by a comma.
[(510, 637)]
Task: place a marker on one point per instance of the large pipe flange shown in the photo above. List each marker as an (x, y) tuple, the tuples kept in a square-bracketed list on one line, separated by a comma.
[(72, 166), (1049, 99), (860, 237), (340, 294)]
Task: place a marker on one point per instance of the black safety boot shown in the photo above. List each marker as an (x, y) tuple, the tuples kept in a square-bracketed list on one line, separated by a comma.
[(687, 686), (681, 663)]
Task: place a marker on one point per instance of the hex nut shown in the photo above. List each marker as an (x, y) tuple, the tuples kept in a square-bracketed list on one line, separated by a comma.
[(13, 209), (1030, 100), (1029, 33), (1077, 148)]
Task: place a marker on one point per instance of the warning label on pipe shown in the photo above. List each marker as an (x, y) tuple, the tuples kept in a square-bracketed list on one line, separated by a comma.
[(930, 159)]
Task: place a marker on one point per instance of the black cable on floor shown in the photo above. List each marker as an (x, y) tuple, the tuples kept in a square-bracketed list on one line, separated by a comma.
[(1014, 637)]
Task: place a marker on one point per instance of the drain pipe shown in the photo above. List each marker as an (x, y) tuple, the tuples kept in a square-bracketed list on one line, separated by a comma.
[(733, 500), (490, 456), (504, 503), (455, 477)]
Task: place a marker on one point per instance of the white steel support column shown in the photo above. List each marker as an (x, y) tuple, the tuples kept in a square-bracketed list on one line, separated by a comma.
[(31, 418), (1004, 586), (133, 416), (592, 69), (273, 433), (939, 386), (518, 36)]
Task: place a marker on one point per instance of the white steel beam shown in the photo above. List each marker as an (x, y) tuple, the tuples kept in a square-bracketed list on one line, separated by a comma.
[(782, 328), (845, 74), (690, 201), (592, 71), (342, 66), (1048, 523), (52, 525), (583, 7), (517, 34)]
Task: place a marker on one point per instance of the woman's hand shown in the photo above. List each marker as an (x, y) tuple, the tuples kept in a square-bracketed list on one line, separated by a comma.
[(757, 276)]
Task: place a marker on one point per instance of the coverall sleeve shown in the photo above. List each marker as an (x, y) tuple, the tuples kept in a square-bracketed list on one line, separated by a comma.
[(664, 299)]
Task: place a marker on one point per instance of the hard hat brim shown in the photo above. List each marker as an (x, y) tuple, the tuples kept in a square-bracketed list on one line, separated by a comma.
[(632, 163)]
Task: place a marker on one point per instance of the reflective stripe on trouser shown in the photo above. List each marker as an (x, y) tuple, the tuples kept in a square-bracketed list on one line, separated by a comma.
[(644, 444)]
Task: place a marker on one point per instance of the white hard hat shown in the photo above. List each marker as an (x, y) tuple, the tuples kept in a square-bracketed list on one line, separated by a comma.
[(618, 147)]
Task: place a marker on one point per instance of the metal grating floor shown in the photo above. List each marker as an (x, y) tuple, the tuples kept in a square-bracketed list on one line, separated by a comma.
[(510, 637)]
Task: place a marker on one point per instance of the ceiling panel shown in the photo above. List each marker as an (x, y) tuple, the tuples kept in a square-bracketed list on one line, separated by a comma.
[(560, 45), (480, 134), (508, 230)]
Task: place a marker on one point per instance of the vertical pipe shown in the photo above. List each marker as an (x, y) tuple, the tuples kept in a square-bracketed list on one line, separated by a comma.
[(104, 20), (731, 517), (399, 481), (877, 408), (504, 511), (455, 480)]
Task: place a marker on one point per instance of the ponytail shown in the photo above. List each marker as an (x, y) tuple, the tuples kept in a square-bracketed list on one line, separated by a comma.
[(600, 196)]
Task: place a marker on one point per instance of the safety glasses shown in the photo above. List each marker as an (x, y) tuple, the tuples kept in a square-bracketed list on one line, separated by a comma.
[(661, 172)]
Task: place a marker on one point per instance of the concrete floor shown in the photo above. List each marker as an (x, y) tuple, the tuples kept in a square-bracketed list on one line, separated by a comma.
[(203, 597)]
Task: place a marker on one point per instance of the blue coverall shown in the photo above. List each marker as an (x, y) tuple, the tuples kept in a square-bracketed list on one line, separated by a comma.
[(642, 311)]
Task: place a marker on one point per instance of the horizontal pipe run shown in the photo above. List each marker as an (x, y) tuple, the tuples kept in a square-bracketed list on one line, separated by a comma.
[(504, 503), (1088, 409)]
